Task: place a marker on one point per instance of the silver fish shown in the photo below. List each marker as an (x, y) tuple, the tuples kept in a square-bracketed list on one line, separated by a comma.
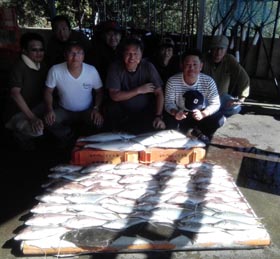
[(107, 136), (52, 198), (33, 233), (235, 225), (197, 227), (97, 167), (85, 198), (82, 221), (123, 223), (117, 145), (180, 143), (66, 168), (153, 138), (48, 219)]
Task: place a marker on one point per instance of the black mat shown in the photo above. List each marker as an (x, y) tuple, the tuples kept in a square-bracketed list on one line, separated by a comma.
[(261, 175)]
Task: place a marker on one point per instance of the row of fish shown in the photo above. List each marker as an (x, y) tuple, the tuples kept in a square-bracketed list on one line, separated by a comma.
[(129, 142), (98, 204)]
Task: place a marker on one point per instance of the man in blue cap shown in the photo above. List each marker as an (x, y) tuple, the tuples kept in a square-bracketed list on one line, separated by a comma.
[(192, 100)]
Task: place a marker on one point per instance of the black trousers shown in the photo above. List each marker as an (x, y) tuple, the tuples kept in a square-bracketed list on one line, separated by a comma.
[(207, 126)]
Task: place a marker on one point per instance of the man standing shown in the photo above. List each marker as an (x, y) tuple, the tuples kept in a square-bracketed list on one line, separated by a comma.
[(106, 46), (231, 78), (76, 83), (24, 109), (62, 35), (185, 108), (135, 89)]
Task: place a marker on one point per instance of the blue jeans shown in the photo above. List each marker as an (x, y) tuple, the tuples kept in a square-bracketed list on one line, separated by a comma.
[(231, 110)]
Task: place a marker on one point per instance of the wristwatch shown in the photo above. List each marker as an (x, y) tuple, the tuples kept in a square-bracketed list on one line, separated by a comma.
[(158, 116), (96, 108)]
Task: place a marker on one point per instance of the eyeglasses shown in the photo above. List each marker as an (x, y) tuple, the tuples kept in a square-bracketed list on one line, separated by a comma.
[(37, 50), (72, 54)]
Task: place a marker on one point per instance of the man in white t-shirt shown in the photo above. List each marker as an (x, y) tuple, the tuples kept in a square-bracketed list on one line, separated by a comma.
[(80, 94)]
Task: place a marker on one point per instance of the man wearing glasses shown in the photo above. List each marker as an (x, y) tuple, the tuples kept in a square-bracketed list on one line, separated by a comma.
[(80, 95), (24, 108)]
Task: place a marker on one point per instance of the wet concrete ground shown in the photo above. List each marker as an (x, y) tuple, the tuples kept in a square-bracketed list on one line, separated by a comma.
[(248, 146)]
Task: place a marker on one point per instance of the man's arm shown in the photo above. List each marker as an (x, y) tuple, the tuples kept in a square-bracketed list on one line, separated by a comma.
[(48, 98), (118, 95), (19, 100)]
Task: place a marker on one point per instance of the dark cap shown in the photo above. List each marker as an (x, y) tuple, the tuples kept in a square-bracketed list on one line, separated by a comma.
[(167, 42), (110, 26), (220, 41), (193, 100)]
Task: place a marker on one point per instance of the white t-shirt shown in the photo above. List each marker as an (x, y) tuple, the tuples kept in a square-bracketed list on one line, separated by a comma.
[(75, 94)]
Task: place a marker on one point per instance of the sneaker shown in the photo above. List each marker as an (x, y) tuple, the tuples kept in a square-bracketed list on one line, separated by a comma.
[(200, 136)]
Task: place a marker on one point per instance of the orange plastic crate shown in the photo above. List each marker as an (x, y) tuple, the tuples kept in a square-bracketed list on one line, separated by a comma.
[(85, 156), (179, 156)]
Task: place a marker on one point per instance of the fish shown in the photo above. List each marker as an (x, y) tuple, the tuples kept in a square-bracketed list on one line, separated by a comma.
[(34, 232), (85, 198), (66, 168), (180, 143), (91, 237), (181, 241), (119, 208), (48, 219), (153, 138), (52, 198), (135, 178), (127, 241), (82, 221), (107, 136), (200, 218), (235, 225), (117, 145), (197, 227), (126, 165), (97, 167), (120, 224)]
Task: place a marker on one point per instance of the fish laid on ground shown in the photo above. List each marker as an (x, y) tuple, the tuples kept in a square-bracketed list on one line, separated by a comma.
[(117, 145), (126, 242), (48, 219), (97, 167), (91, 237), (32, 232), (107, 136), (66, 168), (82, 221), (85, 197), (120, 224)]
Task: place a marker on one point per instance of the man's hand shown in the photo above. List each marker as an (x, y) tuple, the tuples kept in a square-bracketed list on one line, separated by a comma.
[(97, 118), (158, 123), (50, 118), (37, 125), (146, 88), (180, 115)]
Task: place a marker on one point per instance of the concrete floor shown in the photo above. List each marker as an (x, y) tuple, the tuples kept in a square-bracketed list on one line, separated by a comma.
[(252, 135)]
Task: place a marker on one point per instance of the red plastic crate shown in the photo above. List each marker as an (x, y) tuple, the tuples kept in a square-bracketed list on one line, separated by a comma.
[(86, 156), (179, 156)]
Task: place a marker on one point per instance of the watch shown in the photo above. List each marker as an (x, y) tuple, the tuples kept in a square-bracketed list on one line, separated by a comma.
[(96, 108), (158, 116)]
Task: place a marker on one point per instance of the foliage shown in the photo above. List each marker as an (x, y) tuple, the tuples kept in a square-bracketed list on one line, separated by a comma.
[(161, 16)]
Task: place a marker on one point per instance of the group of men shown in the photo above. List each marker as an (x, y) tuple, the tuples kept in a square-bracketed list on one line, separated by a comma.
[(118, 90)]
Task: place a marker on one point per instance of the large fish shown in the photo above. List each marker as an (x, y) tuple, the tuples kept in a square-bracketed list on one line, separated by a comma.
[(180, 143), (107, 136), (91, 237), (117, 145), (153, 138)]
